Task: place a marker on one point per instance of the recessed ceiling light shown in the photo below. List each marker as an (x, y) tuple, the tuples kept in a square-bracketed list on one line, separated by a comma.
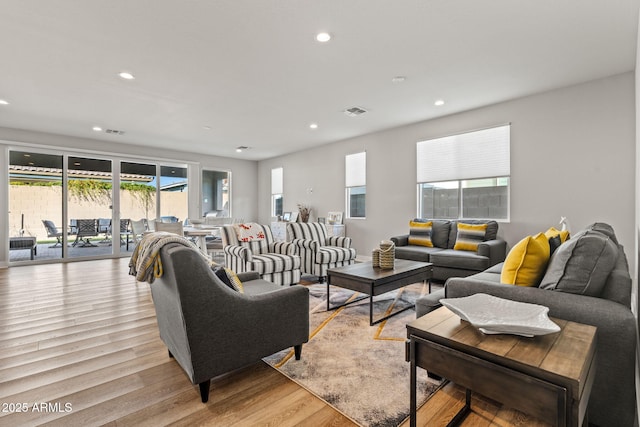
[(206, 127), (97, 128), (438, 103), (3, 102), (323, 37), (126, 75), (398, 79), (313, 126)]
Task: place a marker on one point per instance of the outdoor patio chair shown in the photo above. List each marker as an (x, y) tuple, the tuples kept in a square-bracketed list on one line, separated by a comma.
[(86, 229), (125, 231), (104, 227), (52, 231)]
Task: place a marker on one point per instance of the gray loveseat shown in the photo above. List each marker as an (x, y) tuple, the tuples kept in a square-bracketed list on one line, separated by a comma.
[(604, 300), (211, 329), (447, 261)]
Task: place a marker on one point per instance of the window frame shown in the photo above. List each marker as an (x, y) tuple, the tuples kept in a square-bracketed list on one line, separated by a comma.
[(277, 190), (355, 178), (464, 159)]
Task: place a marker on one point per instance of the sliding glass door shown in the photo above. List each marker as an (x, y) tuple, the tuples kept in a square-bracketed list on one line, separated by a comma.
[(36, 226), (63, 206), (89, 206)]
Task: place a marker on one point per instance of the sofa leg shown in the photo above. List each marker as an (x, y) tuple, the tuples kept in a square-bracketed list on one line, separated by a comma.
[(321, 279), (204, 390), (297, 350), (170, 355)]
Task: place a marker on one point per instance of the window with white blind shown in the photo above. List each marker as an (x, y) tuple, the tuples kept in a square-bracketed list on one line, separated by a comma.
[(277, 186), (465, 175), (356, 184)]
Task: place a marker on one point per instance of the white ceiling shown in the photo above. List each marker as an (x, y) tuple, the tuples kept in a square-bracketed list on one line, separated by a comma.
[(252, 71)]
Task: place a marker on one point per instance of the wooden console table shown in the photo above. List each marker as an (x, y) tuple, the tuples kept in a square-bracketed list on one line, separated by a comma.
[(549, 377)]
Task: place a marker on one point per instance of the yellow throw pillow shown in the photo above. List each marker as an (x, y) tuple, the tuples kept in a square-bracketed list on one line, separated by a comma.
[(420, 233), (526, 262), (469, 236), (235, 281), (553, 232)]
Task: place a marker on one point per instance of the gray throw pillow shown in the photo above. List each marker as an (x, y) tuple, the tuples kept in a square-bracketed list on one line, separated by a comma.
[(604, 228), (582, 264), (439, 231)]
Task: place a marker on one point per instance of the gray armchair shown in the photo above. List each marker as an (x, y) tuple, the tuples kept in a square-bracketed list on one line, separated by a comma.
[(211, 329)]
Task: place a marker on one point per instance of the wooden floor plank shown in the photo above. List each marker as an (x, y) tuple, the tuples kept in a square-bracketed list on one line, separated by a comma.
[(84, 334)]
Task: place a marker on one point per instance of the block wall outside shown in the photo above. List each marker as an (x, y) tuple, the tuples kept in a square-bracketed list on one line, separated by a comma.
[(480, 202), (38, 203)]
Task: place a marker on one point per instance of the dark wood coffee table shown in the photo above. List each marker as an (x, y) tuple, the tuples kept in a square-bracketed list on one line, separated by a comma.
[(372, 281), (549, 377)]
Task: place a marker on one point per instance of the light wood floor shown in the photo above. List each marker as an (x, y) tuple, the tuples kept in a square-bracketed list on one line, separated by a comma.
[(79, 346)]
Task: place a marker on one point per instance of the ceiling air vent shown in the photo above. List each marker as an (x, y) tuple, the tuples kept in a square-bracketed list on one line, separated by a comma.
[(354, 111), (114, 132)]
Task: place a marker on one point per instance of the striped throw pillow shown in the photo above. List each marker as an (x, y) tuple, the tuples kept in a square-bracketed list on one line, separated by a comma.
[(469, 236), (420, 233)]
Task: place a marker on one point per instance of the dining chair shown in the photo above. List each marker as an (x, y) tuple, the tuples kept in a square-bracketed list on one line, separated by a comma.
[(137, 230)]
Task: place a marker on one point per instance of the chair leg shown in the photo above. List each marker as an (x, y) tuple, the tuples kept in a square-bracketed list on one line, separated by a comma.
[(297, 350), (204, 390)]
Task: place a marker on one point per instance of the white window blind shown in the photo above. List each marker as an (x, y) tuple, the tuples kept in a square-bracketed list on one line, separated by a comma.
[(479, 154), (356, 169), (276, 181)]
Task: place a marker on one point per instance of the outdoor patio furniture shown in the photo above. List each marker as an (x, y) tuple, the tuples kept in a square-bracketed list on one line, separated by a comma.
[(52, 231), (124, 231), (24, 242), (86, 229), (104, 227)]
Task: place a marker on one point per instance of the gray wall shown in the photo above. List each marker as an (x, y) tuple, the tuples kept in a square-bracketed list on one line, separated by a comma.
[(572, 154)]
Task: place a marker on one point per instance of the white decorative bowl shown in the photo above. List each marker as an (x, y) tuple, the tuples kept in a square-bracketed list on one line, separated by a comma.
[(493, 315)]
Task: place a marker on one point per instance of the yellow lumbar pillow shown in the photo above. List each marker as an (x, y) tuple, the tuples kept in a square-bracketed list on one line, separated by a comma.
[(526, 262), (420, 233)]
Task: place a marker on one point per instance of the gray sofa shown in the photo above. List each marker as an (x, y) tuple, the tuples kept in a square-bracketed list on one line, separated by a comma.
[(448, 262), (210, 328), (603, 302)]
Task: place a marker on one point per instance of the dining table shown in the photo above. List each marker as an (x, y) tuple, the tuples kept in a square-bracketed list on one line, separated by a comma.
[(200, 233)]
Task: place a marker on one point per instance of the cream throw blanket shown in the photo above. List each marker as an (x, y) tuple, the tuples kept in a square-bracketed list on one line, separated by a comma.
[(145, 261)]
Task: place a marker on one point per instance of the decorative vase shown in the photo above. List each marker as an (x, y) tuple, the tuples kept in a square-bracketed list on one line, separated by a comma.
[(387, 254), (375, 257)]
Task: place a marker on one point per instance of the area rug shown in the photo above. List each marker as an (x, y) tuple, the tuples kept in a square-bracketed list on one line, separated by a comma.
[(358, 369)]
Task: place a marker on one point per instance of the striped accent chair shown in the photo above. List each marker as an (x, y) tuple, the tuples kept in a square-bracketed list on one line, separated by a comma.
[(276, 262), (319, 252)]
